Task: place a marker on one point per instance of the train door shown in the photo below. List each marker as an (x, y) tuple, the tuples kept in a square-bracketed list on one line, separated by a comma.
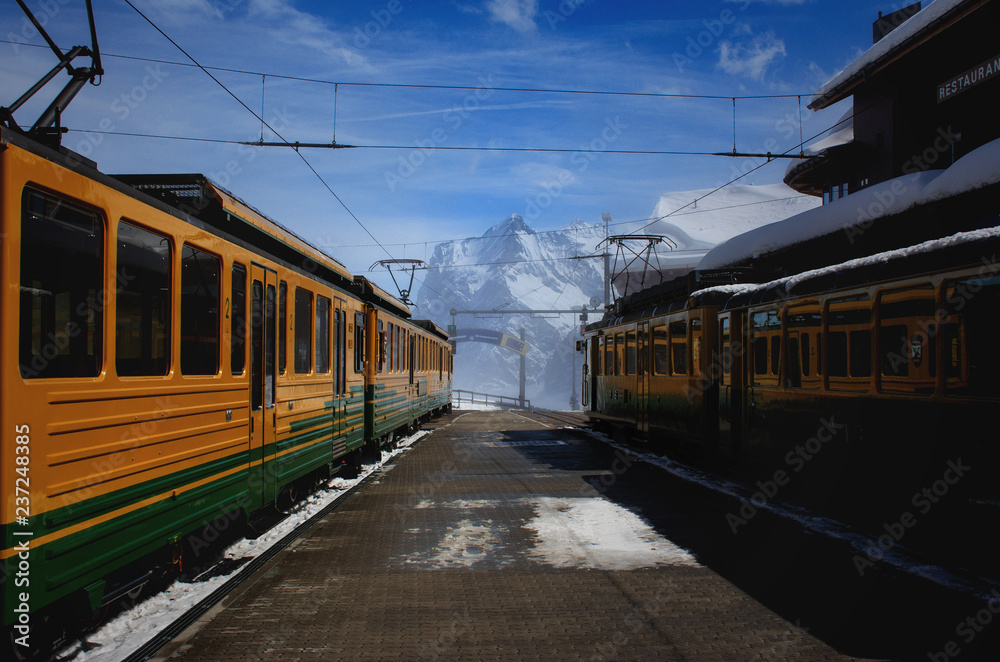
[(263, 414), (339, 377), (731, 351), (642, 378)]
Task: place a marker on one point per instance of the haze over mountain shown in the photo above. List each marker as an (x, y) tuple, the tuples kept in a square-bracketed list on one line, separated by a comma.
[(514, 267)]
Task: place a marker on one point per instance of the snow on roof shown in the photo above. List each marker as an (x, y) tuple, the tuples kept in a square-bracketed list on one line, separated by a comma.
[(789, 282), (910, 29), (840, 133), (977, 169)]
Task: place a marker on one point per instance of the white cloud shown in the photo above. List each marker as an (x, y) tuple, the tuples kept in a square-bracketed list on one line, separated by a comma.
[(752, 57), (186, 8), (518, 14)]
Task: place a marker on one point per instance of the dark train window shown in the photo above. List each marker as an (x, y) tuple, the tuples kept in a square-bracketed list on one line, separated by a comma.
[(794, 377), (775, 353), (609, 355), (759, 356), (142, 307), (336, 351), (849, 341), (861, 353), (971, 351), (303, 330), (282, 326), (678, 348), (894, 351), (661, 362), (359, 342), (238, 320), (804, 340), (200, 291), (62, 288), (630, 348), (836, 354), (380, 348), (619, 352), (322, 335), (257, 346)]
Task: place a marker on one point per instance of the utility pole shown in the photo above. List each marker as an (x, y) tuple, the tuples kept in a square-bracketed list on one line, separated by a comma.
[(522, 380), (606, 217)]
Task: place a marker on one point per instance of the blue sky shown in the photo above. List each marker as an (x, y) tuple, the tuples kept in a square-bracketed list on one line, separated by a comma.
[(411, 196)]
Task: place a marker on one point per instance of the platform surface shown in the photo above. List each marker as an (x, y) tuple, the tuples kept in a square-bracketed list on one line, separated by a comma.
[(494, 538)]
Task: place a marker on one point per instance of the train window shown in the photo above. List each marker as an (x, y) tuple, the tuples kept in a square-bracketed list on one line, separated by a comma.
[(359, 342), (972, 355), (725, 341), (819, 358), (661, 361), (894, 350), (609, 355), (238, 321), (303, 330), (336, 352), (759, 348), (282, 326), (200, 287), (322, 335), (806, 355), (630, 353), (696, 346), (794, 377), (142, 306), (849, 341), (766, 347), (861, 353), (257, 346), (907, 353), (678, 348), (836, 354), (62, 287), (619, 350)]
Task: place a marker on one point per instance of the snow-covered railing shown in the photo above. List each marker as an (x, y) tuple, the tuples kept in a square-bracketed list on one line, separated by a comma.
[(458, 396)]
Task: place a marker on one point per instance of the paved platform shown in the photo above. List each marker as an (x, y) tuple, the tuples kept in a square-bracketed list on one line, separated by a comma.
[(492, 539)]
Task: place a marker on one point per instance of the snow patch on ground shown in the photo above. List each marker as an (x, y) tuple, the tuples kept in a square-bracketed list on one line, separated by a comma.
[(596, 533), (464, 545)]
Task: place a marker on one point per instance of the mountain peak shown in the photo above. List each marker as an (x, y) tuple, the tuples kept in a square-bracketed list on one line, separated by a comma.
[(513, 224)]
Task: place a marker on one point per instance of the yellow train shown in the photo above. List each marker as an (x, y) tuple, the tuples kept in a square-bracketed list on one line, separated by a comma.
[(169, 356), (874, 379)]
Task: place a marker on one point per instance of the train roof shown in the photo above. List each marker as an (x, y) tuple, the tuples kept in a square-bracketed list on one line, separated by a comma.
[(433, 328), (376, 296), (198, 196), (963, 249)]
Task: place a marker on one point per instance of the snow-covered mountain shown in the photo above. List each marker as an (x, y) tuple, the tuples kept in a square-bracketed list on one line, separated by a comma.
[(514, 267)]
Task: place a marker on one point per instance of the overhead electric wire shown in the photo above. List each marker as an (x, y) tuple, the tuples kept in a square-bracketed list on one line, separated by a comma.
[(422, 86), (555, 150), (262, 121)]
